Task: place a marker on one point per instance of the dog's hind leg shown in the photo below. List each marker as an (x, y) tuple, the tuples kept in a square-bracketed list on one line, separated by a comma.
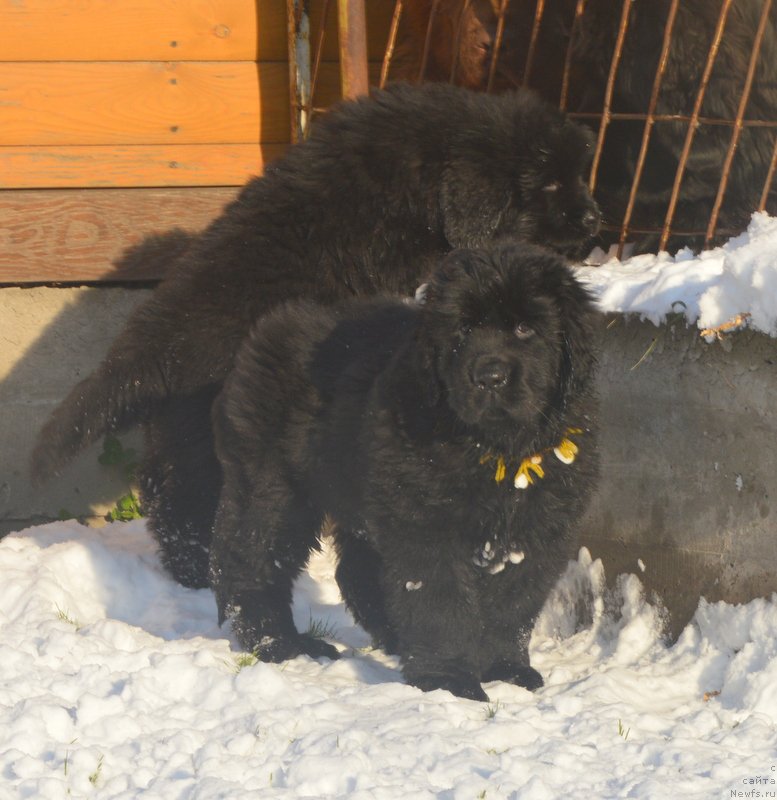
[(358, 576), (262, 540), (180, 481)]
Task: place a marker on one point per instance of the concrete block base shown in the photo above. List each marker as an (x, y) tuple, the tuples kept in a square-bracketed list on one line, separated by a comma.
[(688, 496)]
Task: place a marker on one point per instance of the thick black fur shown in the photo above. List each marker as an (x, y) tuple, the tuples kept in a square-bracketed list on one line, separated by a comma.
[(384, 416), (383, 187)]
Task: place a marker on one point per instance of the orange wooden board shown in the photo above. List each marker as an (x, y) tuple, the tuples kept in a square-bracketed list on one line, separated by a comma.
[(143, 30), (73, 236), (134, 165), (143, 103), (171, 102), (157, 30)]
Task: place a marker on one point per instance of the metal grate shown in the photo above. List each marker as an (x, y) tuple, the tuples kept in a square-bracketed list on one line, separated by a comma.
[(657, 128), (306, 50)]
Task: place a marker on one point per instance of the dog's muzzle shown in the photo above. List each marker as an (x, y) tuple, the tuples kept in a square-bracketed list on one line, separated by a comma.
[(490, 373)]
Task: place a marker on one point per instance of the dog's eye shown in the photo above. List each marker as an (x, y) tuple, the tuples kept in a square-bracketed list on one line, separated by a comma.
[(523, 331), (552, 187)]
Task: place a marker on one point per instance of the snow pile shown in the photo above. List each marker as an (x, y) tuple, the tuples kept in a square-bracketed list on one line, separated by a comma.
[(711, 289), (117, 683)]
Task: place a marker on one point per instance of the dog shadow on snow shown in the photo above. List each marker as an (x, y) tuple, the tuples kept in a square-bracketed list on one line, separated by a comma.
[(114, 573)]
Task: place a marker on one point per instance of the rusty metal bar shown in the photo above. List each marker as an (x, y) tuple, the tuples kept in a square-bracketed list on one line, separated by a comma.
[(535, 33), (457, 40), (675, 232), (319, 49), (500, 29), (649, 122), (391, 44), (352, 35), (624, 23), (694, 122), (737, 133), (579, 10), (298, 31), (728, 123), (769, 179), (428, 39)]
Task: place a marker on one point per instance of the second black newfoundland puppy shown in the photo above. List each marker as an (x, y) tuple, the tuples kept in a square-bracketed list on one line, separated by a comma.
[(452, 443)]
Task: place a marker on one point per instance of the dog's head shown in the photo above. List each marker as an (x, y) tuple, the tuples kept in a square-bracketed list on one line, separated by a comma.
[(508, 334), (519, 168)]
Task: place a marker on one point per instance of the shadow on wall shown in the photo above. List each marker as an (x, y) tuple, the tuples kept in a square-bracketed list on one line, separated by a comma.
[(53, 338)]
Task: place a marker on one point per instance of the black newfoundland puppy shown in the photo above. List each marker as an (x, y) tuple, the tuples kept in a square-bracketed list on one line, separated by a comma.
[(453, 444), (380, 191)]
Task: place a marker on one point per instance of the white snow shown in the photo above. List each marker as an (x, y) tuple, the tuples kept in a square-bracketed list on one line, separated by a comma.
[(710, 289), (117, 683)]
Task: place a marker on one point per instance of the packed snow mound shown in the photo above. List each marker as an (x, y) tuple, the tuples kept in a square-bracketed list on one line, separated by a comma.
[(711, 289), (115, 682)]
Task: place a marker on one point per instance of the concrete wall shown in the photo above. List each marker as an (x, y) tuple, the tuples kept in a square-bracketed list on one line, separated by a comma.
[(689, 478), (689, 482), (49, 340)]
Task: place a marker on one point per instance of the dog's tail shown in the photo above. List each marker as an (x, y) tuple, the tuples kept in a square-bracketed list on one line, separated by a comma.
[(123, 390), (111, 399), (155, 253)]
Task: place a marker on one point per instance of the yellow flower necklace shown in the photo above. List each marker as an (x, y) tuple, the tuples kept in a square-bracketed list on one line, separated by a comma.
[(531, 468)]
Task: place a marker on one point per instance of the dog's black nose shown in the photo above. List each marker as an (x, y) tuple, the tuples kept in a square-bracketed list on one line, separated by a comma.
[(591, 220), (490, 373)]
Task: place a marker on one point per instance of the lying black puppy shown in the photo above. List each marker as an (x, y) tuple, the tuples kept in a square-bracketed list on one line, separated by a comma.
[(382, 189), (454, 445)]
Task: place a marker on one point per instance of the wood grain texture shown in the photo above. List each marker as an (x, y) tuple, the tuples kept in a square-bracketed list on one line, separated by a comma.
[(143, 103), (135, 93), (170, 102), (73, 236), (160, 30), (143, 30), (104, 166)]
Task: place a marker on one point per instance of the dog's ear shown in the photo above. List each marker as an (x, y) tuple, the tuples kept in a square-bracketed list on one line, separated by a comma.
[(425, 356), (578, 333), (471, 203), (460, 272)]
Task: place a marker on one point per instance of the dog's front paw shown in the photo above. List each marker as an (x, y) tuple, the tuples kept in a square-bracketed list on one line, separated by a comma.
[(317, 648), (462, 685), (282, 648), (517, 674)]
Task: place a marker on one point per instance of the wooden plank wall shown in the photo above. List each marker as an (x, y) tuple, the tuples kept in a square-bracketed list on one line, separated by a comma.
[(122, 117)]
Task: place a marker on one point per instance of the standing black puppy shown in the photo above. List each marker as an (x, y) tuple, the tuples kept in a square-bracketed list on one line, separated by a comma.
[(454, 445), (383, 187)]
